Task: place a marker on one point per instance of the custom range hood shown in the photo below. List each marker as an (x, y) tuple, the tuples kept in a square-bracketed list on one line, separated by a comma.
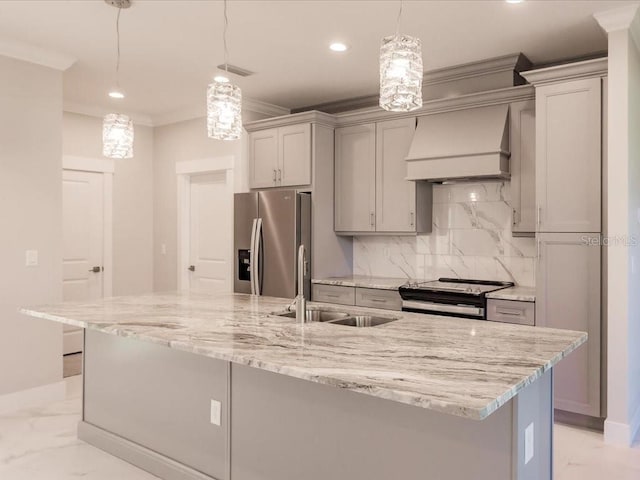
[(461, 145)]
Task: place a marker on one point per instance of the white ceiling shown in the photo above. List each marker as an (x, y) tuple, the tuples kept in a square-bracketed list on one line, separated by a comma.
[(170, 47)]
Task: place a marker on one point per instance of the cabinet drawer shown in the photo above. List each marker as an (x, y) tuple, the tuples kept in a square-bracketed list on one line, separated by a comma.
[(510, 311), (333, 294), (371, 297)]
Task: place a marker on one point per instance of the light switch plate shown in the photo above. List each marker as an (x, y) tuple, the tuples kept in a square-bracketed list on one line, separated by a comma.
[(31, 258), (215, 412), (528, 443)]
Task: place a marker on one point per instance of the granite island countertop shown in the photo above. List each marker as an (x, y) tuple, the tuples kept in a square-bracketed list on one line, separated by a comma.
[(462, 367)]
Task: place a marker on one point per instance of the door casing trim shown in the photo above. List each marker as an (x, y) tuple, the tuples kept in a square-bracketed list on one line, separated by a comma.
[(184, 171), (106, 167)]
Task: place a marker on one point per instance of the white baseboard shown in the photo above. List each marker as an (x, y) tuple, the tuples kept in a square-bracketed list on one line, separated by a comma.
[(33, 397), (634, 427), (616, 433), (137, 455)]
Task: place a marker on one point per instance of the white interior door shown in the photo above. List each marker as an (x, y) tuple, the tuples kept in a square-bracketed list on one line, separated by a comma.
[(83, 243), (211, 233)]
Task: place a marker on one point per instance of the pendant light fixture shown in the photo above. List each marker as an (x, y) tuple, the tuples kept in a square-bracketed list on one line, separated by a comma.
[(117, 128), (400, 71), (224, 100)]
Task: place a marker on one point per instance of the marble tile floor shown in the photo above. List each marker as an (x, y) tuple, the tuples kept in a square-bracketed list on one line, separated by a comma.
[(41, 444)]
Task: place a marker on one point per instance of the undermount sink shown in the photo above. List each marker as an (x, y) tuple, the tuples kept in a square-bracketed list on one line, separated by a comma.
[(363, 321), (340, 318), (317, 315)]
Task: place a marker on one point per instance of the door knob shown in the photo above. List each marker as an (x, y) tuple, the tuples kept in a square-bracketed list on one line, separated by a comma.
[(192, 268), (96, 269)]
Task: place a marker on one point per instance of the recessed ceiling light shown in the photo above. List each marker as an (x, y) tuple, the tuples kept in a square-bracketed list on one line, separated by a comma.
[(514, 1), (338, 47), (221, 79), (116, 93)]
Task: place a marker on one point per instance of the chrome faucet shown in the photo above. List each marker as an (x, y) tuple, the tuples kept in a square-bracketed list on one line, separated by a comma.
[(301, 302)]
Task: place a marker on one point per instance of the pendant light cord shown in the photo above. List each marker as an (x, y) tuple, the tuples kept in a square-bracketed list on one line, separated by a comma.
[(118, 48), (398, 19), (224, 38)]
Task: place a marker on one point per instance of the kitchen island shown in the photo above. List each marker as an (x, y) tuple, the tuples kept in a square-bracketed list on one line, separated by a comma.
[(193, 386)]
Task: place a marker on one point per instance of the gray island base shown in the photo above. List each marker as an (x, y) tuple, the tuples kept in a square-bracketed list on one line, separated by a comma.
[(216, 404)]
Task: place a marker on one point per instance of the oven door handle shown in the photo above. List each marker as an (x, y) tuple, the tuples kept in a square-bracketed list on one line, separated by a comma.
[(444, 308)]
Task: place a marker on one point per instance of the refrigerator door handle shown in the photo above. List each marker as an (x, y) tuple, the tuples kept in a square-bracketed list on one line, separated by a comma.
[(258, 266), (252, 257)]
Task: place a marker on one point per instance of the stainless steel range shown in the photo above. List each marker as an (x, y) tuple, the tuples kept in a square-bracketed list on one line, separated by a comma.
[(454, 297)]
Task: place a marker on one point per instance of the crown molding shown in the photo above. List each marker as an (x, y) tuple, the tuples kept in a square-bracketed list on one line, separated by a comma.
[(312, 116), (623, 18), (180, 115), (440, 105), (199, 111), (100, 111), (506, 63), (570, 71), (264, 108), (32, 54)]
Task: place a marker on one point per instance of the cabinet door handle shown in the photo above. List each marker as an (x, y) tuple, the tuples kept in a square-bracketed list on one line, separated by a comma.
[(538, 216), (372, 219), (508, 311), (411, 221), (274, 175), (539, 250), (279, 175), (513, 217)]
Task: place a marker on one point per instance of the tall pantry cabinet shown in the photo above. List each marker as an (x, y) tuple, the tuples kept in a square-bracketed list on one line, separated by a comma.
[(569, 223)]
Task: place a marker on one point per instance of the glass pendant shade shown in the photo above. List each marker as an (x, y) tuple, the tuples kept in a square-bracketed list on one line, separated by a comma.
[(224, 111), (117, 136), (401, 73)]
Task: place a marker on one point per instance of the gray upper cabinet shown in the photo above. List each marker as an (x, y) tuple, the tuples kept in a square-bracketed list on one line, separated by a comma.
[(568, 156), (372, 193), (263, 158), (568, 297), (355, 178), (395, 196), (294, 155), (523, 166), (280, 157)]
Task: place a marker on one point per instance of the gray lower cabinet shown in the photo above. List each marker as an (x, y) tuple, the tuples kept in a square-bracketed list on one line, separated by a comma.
[(160, 398), (568, 297), (361, 297), (511, 311), (377, 298), (333, 294)]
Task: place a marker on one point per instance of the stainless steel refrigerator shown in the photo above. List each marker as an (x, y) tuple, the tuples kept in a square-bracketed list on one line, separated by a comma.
[(269, 226)]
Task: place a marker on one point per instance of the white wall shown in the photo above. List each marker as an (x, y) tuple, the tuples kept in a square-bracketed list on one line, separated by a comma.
[(471, 238), (132, 200), (30, 218), (181, 142), (623, 211)]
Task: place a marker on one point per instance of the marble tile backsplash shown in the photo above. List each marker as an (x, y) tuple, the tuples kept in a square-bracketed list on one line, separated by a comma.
[(471, 238)]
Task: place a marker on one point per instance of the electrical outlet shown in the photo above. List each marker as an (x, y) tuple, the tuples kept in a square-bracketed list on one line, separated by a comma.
[(215, 412), (31, 258), (528, 443)]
